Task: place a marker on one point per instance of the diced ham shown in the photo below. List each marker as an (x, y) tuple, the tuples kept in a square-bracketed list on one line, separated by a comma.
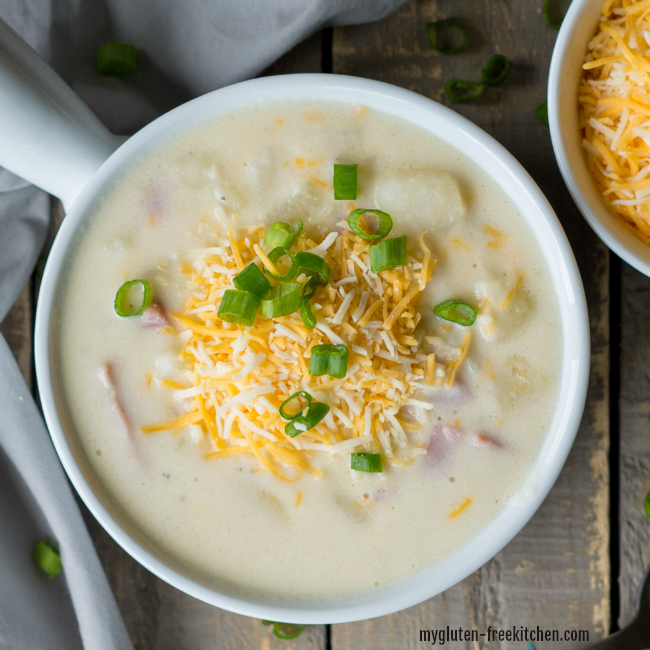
[(445, 438), (154, 316), (106, 375)]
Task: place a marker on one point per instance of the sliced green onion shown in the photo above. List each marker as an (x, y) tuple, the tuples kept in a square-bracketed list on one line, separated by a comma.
[(287, 630), (116, 59), (48, 558), (646, 505), (388, 254), (358, 226), (459, 90), (345, 182), (252, 279), (239, 307), (310, 417), (542, 112), (553, 14), (308, 318), (281, 300), (267, 622), (301, 394), (275, 256), (282, 234), (366, 462), (314, 266), (329, 360), (131, 302), (456, 311), (446, 36), (496, 70)]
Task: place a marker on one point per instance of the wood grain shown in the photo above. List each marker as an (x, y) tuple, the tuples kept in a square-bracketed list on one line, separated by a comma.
[(556, 572), (634, 440)]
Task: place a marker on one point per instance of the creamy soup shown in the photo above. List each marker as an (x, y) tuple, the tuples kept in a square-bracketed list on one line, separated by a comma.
[(174, 412)]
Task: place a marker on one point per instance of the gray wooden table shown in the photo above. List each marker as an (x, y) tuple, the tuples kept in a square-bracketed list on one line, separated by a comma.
[(577, 564)]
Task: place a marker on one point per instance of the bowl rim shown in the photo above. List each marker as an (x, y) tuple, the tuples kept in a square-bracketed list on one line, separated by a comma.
[(535, 209), (615, 236)]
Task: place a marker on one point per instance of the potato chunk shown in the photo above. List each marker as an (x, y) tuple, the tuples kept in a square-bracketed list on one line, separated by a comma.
[(430, 199)]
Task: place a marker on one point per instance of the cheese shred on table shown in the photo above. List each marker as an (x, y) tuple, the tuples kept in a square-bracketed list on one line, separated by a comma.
[(237, 377), (614, 103)]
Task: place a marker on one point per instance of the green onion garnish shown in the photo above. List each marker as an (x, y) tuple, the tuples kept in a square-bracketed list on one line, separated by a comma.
[(132, 298), (300, 395), (329, 360), (553, 7), (542, 112), (282, 234), (275, 256), (238, 307), (252, 279), (388, 254), (366, 462), (308, 318), (496, 70), (456, 311), (646, 505), (446, 36), (116, 59), (285, 630), (281, 300), (358, 224), (459, 90), (311, 416), (48, 558), (314, 266), (345, 182)]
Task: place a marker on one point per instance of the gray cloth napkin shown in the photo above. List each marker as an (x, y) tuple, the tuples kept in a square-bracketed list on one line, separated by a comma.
[(186, 48)]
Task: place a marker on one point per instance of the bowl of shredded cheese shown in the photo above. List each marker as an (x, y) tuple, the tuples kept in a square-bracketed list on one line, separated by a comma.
[(599, 116)]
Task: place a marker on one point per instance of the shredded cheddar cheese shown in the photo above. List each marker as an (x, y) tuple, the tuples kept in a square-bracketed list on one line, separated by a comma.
[(462, 507), (614, 101), (235, 377)]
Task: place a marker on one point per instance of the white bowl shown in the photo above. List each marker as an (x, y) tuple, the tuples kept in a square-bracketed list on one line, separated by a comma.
[(506, 172), (577, 29)]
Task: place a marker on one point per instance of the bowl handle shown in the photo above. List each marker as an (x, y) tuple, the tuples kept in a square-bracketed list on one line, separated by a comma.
[(47, 134)]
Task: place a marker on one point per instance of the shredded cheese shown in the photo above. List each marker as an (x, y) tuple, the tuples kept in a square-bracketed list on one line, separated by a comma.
[(237, 377), (614, 103)]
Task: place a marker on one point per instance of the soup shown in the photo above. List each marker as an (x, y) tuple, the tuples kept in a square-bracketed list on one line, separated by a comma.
[(336, 428)]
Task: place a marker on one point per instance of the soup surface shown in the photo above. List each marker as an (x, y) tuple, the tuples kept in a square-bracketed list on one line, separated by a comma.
[(208, 480)]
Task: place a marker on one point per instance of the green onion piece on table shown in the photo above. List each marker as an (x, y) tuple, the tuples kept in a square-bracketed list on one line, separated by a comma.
[(116, 59), (282, 234), (366, 462), (496, 70), (267, 622), (314, 266), (275, 256), (446, 36), (238, 307), (281, 300), (300, 395), (287, 630), (252, 279), (456, 311), (329, 360), (48, 558), (132, 298), (459, 90), (388, 254), (646, 505), (359, 226), (542, 112), (310, 417), (553, 13), (345, 182)]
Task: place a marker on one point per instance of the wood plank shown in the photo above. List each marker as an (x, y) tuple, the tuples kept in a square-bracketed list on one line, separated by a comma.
[(635, 446), (18, 332), (556, 572)]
